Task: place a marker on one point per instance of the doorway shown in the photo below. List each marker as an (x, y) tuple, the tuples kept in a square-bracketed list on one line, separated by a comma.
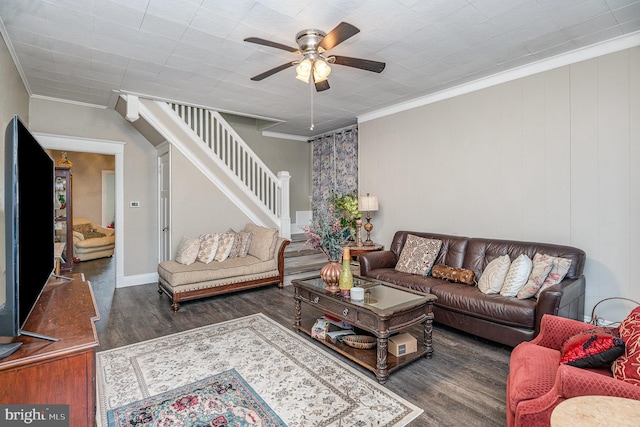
[(115, 148)]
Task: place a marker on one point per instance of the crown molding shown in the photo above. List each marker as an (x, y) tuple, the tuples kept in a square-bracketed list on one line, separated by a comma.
[(588, 52), (68, 101), (289, 136), (14, 56)]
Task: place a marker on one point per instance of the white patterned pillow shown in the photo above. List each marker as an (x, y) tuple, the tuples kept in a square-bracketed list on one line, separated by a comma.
[(558, 271), (246, 242), (225, 243), (418, 255), (493, 275), (541, 267), (208, 247), (187, 251), (241, 242), (237, 244), (517, 276)]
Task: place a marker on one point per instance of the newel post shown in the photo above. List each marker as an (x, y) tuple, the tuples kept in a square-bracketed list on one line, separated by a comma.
[(283, 208)]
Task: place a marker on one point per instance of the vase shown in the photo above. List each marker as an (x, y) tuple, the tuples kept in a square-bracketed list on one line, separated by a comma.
[(330, 274), (346, 277)]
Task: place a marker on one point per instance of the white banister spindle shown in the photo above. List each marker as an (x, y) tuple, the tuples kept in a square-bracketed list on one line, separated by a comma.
[(227, 146)]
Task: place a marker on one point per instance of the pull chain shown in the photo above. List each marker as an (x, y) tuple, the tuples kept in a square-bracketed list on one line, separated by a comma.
[(311, 86)]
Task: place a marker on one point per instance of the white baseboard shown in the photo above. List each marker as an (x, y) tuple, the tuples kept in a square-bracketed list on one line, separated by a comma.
[(303, 218), (140, 279)]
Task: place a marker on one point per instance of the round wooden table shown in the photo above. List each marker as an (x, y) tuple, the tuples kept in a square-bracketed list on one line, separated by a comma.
[(359, 250), (592, 411), (355, 251)]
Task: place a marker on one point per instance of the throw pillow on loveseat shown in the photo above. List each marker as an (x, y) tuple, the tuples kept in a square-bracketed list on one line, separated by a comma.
[(262, 265)]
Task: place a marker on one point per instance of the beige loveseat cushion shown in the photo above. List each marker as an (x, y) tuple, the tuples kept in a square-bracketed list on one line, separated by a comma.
[(263, 241), (177, 274)]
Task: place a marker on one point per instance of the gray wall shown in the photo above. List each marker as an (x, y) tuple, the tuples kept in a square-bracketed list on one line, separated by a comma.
[(200, 207), (280, 155), (554, 157), (14, 100), (140, 171)]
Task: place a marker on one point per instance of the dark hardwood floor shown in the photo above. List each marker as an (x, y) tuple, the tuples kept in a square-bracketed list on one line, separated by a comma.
[(462, 385)]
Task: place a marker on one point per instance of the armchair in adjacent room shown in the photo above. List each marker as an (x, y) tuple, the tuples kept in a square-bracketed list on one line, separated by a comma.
[(538, 381), (91, 241)]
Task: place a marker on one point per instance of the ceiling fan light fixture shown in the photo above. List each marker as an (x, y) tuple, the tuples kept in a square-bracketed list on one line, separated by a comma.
[(303, 70), (321, 70)]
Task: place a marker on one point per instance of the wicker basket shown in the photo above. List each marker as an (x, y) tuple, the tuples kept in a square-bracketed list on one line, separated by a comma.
[(364, 342)]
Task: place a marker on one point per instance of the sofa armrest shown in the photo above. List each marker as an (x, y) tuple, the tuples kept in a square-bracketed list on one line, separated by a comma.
[(573, 382), (379, 259), (281, 245), (77, 236), (554, 331), (566, 299)]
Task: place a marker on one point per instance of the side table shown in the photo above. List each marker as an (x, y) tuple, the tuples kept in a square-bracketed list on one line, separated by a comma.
[(359, 250), (587, 411)]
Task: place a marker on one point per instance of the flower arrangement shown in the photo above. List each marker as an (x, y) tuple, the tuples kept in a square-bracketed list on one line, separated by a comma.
[(326, 233), (347, 206)]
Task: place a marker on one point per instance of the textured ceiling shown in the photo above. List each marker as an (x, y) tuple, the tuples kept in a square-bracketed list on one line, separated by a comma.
[(192, 51)]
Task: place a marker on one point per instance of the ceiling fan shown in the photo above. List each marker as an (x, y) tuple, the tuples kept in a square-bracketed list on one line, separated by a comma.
[(314, 64)]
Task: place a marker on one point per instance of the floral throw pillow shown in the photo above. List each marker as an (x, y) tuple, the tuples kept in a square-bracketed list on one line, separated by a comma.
[(418, 255), (208, 247), (558, 271), (225, 243), (237, 244), (542, 265)]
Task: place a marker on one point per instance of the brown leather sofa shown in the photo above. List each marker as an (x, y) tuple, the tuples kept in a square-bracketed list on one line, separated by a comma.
[(501, 319)]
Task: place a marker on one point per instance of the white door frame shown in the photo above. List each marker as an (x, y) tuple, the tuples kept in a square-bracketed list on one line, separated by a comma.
[(99, 146), (164, 202)]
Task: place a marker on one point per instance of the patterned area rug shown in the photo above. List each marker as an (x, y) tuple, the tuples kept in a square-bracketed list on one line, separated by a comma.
[(303, 384), (223, 399)]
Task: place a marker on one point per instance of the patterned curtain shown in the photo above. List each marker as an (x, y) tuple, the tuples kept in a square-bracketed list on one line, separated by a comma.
[(335, 166)]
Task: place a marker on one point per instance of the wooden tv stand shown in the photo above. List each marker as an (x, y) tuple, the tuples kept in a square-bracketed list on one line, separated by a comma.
[(45, 372)]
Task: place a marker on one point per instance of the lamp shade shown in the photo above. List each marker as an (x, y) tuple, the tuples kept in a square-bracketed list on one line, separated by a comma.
[(321, 70), (303, 70), (368, 204)]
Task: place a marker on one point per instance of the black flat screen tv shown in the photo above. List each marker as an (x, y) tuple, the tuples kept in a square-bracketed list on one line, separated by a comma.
[(29, 180)]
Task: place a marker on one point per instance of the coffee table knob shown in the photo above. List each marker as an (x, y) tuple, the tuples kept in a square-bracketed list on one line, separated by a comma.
[(315, 300), (345, 311)]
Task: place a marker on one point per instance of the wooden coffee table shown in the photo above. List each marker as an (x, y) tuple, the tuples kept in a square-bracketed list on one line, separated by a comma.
[(387, 309)]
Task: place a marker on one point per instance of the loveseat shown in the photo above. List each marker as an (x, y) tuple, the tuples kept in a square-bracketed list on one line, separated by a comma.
[(540, 376), (91, 241), (261, 265), (506, 320)]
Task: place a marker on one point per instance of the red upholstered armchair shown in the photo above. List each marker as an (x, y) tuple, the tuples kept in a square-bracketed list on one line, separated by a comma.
[(537, 382)]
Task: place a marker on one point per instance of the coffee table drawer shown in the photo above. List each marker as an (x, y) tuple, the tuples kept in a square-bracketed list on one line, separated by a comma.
[(336, 307)]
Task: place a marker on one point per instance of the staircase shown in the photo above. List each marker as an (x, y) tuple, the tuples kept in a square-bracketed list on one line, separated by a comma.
[(301, 261), (214, 148)]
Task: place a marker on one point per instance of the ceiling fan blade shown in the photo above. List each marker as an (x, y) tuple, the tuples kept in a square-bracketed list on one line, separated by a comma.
[(339, 34), (363, 64), (271, 72), (323, 85), (269, 43)]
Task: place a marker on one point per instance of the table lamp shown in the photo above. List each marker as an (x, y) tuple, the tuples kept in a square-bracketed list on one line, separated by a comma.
[(368, 204)]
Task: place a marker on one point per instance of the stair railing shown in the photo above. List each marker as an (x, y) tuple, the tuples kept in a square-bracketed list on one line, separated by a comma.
[(241, 162)]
